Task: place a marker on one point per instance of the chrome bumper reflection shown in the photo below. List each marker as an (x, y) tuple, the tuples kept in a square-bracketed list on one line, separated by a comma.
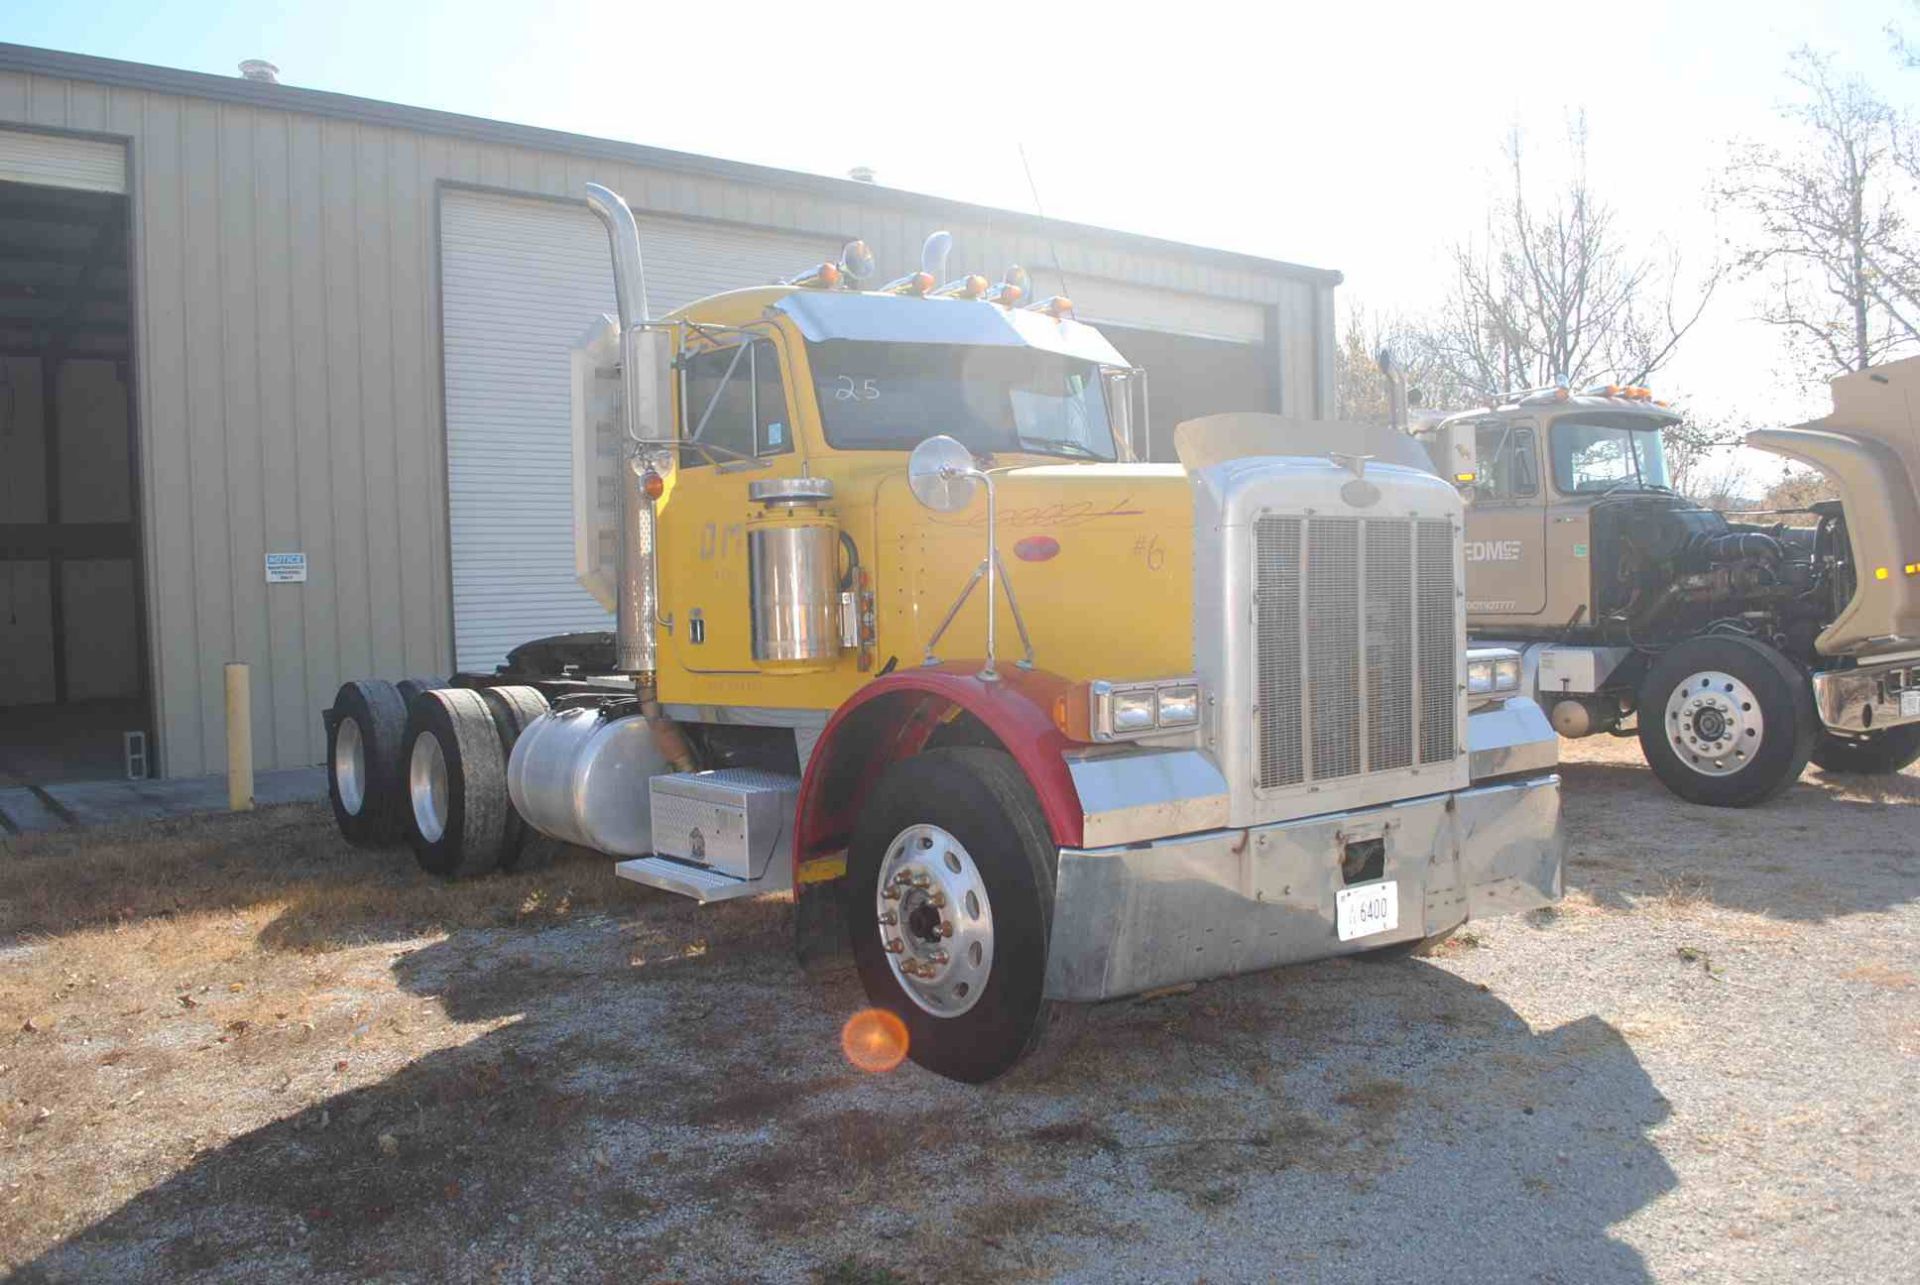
[(1128, 919), (1869, 698)]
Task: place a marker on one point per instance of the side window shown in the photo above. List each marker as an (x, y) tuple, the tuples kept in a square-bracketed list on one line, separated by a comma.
[(1509, 462), (735, 404)]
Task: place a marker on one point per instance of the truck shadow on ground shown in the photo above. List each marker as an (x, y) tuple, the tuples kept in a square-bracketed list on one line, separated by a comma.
[(1828, 846), (671, 1101)]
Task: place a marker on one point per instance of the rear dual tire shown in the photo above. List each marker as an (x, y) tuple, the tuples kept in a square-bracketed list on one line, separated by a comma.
[(365, 731), (458, 818)]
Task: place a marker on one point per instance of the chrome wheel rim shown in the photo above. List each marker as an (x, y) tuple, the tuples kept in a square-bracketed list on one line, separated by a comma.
[(935, 922), (427, 786), (1714, 723), (350, 766)]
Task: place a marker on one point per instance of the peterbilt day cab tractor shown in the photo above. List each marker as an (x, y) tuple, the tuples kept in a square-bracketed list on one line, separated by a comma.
[(1239, 726), (1735, 646)]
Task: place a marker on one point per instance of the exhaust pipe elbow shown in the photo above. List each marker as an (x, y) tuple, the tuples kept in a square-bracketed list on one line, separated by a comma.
[(629, 276)]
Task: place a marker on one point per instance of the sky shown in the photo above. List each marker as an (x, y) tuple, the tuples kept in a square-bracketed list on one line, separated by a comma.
[(1363, 137)]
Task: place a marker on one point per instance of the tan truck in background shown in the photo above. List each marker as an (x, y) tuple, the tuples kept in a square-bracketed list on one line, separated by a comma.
[(1736, 645)]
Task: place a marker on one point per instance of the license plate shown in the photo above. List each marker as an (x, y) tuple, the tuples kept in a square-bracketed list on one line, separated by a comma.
[(1366, 910), (1910, 704)]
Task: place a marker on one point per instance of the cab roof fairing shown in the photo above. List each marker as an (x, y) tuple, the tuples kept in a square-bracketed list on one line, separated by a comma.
[(902, 319)]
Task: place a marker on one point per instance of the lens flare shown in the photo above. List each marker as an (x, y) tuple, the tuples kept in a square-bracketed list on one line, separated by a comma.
[(874, 1040)]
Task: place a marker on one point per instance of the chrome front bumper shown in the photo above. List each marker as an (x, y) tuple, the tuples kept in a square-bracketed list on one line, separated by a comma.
[(1130, 918), (1870, 698)]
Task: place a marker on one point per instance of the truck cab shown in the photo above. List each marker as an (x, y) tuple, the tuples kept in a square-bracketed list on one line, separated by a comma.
[(906, 632), (1736, 646)]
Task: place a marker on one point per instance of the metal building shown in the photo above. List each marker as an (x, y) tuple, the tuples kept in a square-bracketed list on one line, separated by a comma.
[(283, 377)]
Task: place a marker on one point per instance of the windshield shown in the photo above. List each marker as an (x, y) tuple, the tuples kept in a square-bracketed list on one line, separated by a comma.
[(891, 397), (1608, 452)]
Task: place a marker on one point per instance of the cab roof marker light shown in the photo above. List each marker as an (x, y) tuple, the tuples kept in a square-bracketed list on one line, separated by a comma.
[(1057, 307), (1880, 573), (914, 283), (1014, 286), (971, 286), (823, 277), (1913, 568)]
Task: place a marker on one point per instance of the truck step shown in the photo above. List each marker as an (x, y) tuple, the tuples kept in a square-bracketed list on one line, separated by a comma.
[(700, 883)]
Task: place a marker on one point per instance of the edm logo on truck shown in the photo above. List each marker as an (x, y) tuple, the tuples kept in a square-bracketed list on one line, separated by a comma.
[(1493, 551)]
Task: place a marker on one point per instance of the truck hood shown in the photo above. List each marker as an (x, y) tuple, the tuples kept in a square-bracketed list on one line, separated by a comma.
[(1870, 447), (1099, 558)]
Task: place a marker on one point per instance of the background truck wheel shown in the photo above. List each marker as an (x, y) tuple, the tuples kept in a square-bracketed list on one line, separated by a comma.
[(456, 784), (950, 901), (512, 709), (1873, 754), (412, 687), (1726, 721), (365, 730)]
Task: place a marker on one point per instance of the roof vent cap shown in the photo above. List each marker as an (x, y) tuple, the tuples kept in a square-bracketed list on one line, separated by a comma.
[(861, 174), (261, 70)]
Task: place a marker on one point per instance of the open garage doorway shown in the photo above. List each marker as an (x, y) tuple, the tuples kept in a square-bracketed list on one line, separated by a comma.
[(1188, 377), (74, 700)]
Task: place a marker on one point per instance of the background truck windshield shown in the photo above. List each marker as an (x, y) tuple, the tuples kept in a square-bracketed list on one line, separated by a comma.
[(887, 396), (1600, 452)]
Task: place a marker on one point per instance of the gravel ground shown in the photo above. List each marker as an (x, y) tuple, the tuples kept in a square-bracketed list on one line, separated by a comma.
[(1699, 1067)]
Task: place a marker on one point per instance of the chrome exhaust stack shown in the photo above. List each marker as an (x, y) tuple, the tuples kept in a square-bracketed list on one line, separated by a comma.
[(642, 411)]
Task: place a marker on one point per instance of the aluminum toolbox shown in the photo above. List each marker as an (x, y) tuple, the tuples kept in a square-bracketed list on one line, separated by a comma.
[(734, 820)]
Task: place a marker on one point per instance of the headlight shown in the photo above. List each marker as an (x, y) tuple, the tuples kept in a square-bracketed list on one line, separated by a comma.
[(1130, 711), (1108, 711), (1493, 671), (1180, 706)]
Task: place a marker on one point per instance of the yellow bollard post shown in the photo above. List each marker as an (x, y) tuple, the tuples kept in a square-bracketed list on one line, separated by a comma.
[(239, 738)]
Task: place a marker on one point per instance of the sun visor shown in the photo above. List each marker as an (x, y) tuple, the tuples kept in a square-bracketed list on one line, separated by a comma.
[(1214, 439), (902, 319)]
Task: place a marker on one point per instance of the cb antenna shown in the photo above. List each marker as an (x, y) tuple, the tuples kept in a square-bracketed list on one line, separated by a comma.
[(1052, 247)]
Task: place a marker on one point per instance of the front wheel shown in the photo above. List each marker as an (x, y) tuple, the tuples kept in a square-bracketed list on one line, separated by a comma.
[(950, 901), (1726, 721), (1874, 754)]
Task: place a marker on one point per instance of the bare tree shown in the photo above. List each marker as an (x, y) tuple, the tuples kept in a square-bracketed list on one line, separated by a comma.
[(1831, 228), (1360, 392), (1554, 291)]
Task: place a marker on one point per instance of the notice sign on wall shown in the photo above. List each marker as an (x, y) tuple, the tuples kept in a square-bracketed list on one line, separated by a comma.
[(286, 568)]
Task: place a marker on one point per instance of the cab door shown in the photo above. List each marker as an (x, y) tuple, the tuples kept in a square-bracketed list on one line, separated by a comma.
[(1506, 527), (736, 427)]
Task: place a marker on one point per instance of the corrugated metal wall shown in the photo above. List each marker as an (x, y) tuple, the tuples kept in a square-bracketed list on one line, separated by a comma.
[(287, 351)]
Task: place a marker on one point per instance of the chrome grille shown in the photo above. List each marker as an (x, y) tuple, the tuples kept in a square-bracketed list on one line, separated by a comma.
[(1439, 666), (1276, 555), (1355, 646)]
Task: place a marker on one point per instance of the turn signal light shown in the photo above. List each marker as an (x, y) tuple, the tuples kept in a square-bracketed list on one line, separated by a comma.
[(1913, 568), (652, 483), (1880, 573)]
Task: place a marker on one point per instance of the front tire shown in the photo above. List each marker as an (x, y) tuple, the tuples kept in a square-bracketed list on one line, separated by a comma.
[(1875, 754), (1726, 721), (455, 804), (950, 902)]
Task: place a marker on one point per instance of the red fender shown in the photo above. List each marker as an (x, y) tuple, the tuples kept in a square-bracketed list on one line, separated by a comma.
[(864, 736)]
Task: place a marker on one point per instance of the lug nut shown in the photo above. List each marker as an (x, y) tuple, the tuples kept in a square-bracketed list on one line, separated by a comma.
[(940, 957), (921, 881), (946, 927), (888, 917), (895, 945), (904, 878), (938, 899), (891, 893)]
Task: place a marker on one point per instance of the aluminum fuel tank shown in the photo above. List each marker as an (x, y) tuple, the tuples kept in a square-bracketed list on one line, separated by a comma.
[(585, 780)]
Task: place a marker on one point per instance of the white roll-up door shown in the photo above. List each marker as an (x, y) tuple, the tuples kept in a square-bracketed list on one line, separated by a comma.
[(53, 160), (521, 280)]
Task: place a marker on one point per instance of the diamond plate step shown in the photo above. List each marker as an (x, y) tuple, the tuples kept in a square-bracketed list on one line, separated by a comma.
[(700, 883)]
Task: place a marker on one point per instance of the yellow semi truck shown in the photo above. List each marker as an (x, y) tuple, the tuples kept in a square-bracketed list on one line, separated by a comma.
[(907, 629)]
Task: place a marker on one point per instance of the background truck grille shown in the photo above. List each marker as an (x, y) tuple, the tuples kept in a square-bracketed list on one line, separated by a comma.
[(1355, 646)]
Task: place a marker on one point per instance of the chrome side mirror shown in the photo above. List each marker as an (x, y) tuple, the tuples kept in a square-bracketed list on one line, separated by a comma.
[(941, 474)]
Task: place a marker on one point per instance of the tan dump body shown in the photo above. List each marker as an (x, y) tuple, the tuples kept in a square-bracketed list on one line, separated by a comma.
[(1870, 447)]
